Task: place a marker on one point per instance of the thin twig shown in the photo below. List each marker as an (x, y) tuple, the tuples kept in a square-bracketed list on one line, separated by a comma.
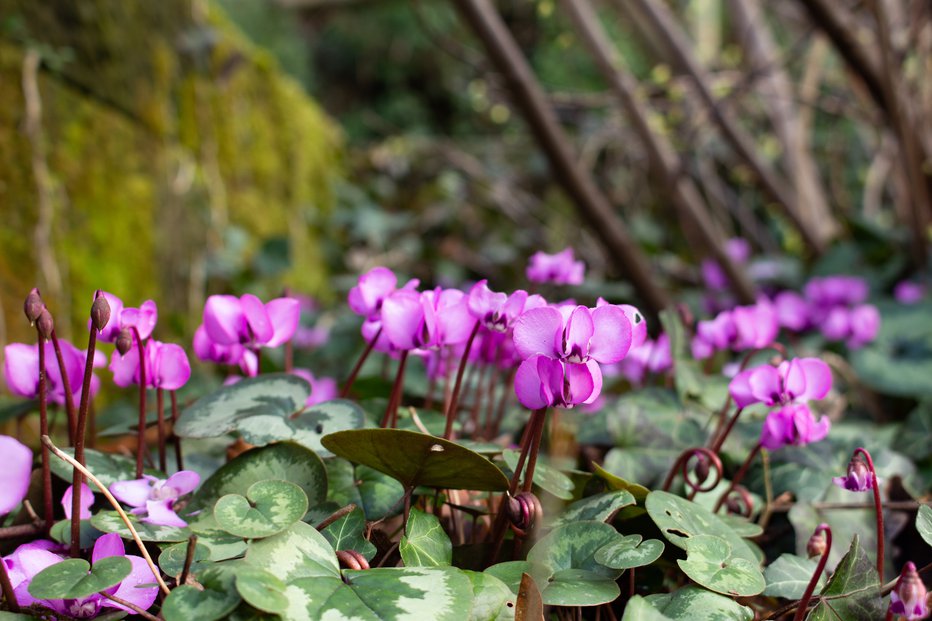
[(122, 602), (336, 515)]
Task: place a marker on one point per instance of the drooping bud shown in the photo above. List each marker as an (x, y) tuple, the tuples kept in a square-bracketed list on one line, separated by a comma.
[(701, 468), (33, 306), (124, 341), (817, 543), (908, 598), (351, 559), (859, 477), (100, 311), (739, 502), (523, 511), (45, 324)]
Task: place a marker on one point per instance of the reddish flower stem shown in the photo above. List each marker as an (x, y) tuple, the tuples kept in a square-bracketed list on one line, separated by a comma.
[(810, 588), (80, 431), (717, 444), (535, 448), (141, 431), (738, 477), (454, 400), (174, 399), (44, 430), (394, 400), (7, 588), (66, 385), (362, 360), (160, 408), (878, 509), (682, 463)]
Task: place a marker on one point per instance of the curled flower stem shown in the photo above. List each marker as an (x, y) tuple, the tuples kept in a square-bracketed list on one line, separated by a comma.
[(66, 386), (682, 464), (44, 430), (738, 477), (47, 442), (141, 432), (878, 509), (362, 360), (454, 400), (160, 409), (80, 431), (174, 399), (810, 588), (394, 400), (7, 588)]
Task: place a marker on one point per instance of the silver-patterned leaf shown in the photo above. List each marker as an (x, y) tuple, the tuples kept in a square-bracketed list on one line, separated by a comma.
[(269, 507), (298, 552)]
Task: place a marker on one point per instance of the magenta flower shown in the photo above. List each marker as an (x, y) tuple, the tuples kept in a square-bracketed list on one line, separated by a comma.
[(908, 292), (738, 250), (21, 370), (373, 287), (29, 559), (560, 268), (794, 381), (14, 476), (793, 424), (143, 318), (322, 388), (652, 356), (156, 499), (499, 311), (576, 335), (756, 326), (859, 477), (229, 320), (830, 291), (167, 366), (792, 311), (544, 382), (856, 326), (909, 598), (209, 351), (427, 320), (87, 500)]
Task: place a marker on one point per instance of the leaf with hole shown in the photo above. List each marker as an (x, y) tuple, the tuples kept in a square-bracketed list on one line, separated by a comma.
[(75, 578), (417, 459), (425, 543), (492, 600), (710, 562), (629, 551), (269, 507)]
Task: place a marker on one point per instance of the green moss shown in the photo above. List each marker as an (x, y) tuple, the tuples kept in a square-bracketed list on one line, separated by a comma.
[(157, 130)]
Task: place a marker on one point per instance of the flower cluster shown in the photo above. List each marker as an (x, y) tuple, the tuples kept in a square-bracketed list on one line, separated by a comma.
[(739, 329), (561, 268), (157, 499), (21, 370)]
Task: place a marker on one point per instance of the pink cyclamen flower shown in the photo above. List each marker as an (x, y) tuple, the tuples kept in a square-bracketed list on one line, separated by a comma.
[(793, 424), (167, 366), (650, 357), (544, 382), (21, 370), (143, 319), (856, 326), (738, 250), (794, 381), (427, 320), (245, 320), (322, 388), (498, 311), (560, 269), (15, 473), (576, 335), (87, 500), (29, 559), (155, 498), (792, 311), (908, 292), (373, 287), (859, 477), (830, 291), (909, 598)]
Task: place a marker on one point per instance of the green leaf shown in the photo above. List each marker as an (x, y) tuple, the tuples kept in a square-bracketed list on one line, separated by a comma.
[(615, 482), (417, 459), (76, 578), (573, 546), (342, 487), (111, 522), (269, 507), (598, 508), (61, 532), (298, 552), (546, 477), (326, 418), (639, 609), (563, 587), (913, 439), (171, 560), (853, 592), (274, 394), (710, 562), (491, 598), (685, 605), (789, 575), (379, 493), (436, 593), (106, 467), (680, 519), (218, 599), (924, 523), (282, 461), (899, 361), (425, 544), (261, 589), (629, 552), (312, 598), (222, 545), (347, 533)]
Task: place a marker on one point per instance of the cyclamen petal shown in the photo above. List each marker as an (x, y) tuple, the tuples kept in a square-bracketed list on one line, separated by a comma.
[(224, 320), (169, 366), (15, 474), (87, 500), (758, 385), (576, 335), (537, 332), (139, 587), (808, 379), (612, 334), (21, 369), (374, 286), (285, 315), (160, 512), (183, 482), (143, 318), (403, 319), (257, 318), (531, 390), (134, 493)]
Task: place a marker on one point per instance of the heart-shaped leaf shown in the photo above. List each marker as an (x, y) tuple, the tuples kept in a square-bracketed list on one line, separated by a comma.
[(269, 507), (262, 589), (276, 394), (629, 552), (789, 575), (75, 578), (598, 508), (425, 543), (325, 418), (546, 477), (492, 600), (853, 592), (564, 587), (298, 552), (710, 562), (347, 533), (218, 598), (417, 459), (690, 603), (436, 593), (285, 461), (573, 546), (311, 598), (111, 522)]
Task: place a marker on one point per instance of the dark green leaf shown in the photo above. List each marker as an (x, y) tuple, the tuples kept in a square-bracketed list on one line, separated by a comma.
[(298, 552), (218, 598), (379, 493), (171, 560), (347, 533), (425, 544), (853, 592), (629, 552), (598, 508), (546, 477), (74, 578), (261, 589)]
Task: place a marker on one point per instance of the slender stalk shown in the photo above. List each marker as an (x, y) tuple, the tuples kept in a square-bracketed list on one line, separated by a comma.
[(720, 440), (66, 385), (810, 588), (141, 432), (394, 399), (454, 400), (7, 589), (738, 477), (174, 399), (495, 425), (44, 430), (122, 602), (21, 530), (80, 431), (47, 442), (188, 559), (289, 357), (362, 360), (336, 515), (878, 509), (408, 491), (535, 448), (160, 409)]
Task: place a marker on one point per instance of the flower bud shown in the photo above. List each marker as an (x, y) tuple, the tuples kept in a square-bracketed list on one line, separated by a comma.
[(702, 468), (908, 598), (100, 311), (124, 341), (817, 544), (33, 306), (45, 324), (859, 477)]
